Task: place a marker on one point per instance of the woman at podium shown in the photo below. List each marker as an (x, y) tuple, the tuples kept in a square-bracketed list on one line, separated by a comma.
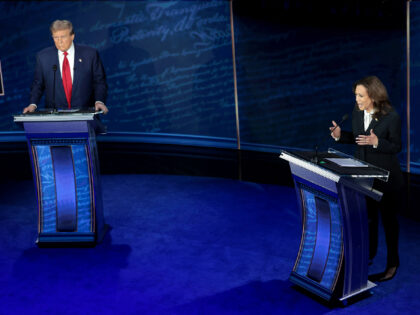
[(376, 131)]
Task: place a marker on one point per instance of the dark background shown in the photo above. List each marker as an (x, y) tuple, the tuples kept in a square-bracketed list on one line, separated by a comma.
[(170, 69), (1, 81), (190, 244)]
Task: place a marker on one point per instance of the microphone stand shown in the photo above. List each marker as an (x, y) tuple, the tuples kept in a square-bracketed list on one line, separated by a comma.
[(315, 159)]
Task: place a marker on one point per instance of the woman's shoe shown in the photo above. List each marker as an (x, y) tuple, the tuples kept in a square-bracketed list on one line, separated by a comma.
[(388, 274)]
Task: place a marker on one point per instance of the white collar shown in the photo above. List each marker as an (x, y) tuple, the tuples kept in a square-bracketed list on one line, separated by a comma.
[(70, 51)]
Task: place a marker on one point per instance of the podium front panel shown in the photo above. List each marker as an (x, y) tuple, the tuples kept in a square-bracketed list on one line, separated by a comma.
[(332, 260), (77, 187), (318, 264), (65, 165)]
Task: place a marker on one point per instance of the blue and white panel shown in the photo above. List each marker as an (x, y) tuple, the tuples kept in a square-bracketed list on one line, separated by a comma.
[(321, 246), (47, 187)]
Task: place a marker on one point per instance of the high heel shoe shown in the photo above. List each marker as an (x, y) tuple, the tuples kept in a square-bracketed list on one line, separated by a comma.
[(388, 274)]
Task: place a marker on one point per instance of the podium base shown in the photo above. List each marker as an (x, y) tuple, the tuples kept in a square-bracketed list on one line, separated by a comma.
[(360, 292), (329, 296), (71, 239), (66, 239)]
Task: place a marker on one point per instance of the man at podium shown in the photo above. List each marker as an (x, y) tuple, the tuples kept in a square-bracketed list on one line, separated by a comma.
[(72, 76)]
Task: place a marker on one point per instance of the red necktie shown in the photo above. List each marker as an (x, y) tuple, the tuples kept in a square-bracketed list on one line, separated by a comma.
[(67, 78)]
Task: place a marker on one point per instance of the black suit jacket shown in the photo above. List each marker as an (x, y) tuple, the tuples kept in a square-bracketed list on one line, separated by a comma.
[(388, 130), (89, 81)]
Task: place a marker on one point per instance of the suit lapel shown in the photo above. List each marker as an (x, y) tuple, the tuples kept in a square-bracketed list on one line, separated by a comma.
[(373, 124), (76, 70), (59, 82), (57, 62), (360, 128)]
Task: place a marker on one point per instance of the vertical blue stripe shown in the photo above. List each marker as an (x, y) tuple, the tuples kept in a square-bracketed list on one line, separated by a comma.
[(65, 188), (336, 247), (83, 188), (309, 235), (332, 265), (322, 243), (47, 188)]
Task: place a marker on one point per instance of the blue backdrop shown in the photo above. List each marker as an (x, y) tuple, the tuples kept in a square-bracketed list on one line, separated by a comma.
[(414, 86), (294, 80), (169, 64), (170, 70)]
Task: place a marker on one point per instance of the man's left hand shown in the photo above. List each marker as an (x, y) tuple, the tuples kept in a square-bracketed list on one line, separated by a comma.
[(102, 107)]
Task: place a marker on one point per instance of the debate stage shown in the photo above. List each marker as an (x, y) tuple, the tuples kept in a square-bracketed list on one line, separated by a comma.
[(180, 245)]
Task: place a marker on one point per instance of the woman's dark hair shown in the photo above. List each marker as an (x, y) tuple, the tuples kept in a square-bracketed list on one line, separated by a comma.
[(377, 92)]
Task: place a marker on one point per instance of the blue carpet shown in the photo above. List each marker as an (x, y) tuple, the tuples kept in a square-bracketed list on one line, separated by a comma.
[(180, 245)]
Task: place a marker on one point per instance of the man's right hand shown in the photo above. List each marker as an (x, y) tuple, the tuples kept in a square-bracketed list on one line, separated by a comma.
[(29, 109)]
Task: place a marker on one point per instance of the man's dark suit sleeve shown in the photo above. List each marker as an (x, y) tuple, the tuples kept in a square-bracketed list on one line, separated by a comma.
[(99, 80), (38, 84)]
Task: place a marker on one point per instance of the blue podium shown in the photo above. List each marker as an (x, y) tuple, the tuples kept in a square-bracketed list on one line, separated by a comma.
[(332, 260), (63, 152)]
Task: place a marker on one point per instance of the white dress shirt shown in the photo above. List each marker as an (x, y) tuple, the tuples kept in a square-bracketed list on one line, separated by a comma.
[(368, 118)]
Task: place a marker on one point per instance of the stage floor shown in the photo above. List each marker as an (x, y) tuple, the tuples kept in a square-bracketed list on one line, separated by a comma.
[(180, 245)]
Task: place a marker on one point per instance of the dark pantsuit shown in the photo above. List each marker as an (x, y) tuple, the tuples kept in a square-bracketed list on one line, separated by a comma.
[(388, 130), (387, 207)]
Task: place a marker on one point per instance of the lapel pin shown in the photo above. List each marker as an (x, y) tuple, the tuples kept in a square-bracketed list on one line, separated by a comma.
[(80, 60)]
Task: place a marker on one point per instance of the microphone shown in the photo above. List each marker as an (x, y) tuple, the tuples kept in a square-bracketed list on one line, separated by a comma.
[(315, 158), (54, 68), (344, 118)]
